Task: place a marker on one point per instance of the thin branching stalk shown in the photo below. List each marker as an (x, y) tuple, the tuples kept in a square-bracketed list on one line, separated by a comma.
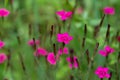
[(73, 12), (91, 61)]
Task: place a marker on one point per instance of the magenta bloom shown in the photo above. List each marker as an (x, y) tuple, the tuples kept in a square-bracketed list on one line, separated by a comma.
[(40, 52), (109, 10), (32, 43), (51, 58), (72, 63), (102, 72), (3, 57), (64, 38), (106, 51), (63, 51), (64, 15), (2, 44), (4, 12), (118, 38)]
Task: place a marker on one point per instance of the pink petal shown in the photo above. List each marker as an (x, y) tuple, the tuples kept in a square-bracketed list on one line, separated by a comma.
[(70, 38), (70, 65), (2, 44), (4, 12), (75, 65), (60, 13), (105, 69), (68, 59), (63, 18), (109, 10), (103, 52), (41, 51), (68, 14), (107, 75), (3, 57), (65, 50), (60, 51), (51, 58), (109, 49)]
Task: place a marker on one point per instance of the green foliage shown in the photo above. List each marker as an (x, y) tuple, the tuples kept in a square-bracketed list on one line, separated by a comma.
[(40, 14)]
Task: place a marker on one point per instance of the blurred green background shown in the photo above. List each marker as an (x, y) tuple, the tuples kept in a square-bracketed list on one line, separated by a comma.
[(40, 14)]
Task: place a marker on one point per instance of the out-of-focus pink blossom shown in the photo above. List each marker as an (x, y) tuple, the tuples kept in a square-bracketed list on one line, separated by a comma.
[(118, 38), (3, 57), (63, 51), (72, 63), (32, 42), (79, 10), (102, 72), (51, 58), (4, 12), (109, 10), (40, 52), (64, 38), (64, 15), (2, 44), (106, 51)]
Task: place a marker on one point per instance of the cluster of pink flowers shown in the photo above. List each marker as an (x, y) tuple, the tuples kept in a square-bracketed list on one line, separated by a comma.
[(102, 72), (64, 38), (64, 15), (4, 12), (106, 51), (109, 10), (3, 56)]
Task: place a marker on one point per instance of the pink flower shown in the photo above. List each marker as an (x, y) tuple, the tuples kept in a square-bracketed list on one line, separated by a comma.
[(64, 15), (40, 52), (106, 51), (4, 12), (109, 10), (74, 63), (64, 51), (2, 44), (51, 58), (3, 57), (32, 43), (118, 38), (102, 72), (64, 38)]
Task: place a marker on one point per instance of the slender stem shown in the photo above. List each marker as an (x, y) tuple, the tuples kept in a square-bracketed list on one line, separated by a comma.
[(101, 79)]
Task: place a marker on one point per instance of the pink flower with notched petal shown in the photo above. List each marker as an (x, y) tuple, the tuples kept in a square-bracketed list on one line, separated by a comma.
[(2, 44), (32, 43), (64, 38), (4, 12), (40, 52), (73, 64), (103, 52), (102, 72), (106, 51), (64, 15), (3, 57), (109, 10), (51, 58)]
